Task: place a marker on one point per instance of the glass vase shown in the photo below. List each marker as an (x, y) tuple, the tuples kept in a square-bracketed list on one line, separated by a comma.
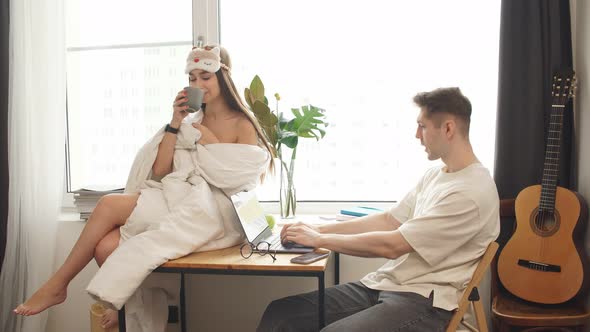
[(288, 199)]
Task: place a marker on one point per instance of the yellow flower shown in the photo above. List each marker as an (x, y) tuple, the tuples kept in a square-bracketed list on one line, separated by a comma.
[(277, 97)]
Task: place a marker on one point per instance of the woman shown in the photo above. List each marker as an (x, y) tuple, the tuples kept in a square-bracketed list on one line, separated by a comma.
[(225, 120)]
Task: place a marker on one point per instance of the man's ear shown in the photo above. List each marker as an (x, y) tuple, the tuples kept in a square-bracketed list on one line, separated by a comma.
[(450, 128)]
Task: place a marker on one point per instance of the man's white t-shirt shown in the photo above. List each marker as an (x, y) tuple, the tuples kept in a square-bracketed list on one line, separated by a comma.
[(449, 219)]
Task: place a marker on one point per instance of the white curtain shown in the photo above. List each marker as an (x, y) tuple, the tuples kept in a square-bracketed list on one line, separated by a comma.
[(36, 131)]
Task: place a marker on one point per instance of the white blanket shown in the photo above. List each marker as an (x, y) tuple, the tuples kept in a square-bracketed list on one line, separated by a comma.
[(187, 211)]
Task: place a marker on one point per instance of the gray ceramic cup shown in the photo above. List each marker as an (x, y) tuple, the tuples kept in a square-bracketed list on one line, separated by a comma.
[(195, 99)]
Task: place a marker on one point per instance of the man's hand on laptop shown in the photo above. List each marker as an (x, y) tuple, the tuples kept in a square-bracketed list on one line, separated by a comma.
[(300, 233)]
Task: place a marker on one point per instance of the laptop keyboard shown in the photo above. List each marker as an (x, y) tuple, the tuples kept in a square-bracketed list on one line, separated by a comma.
[(275, 241), (276, 244)]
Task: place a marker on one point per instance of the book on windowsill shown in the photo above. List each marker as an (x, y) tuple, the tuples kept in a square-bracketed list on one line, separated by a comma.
[(343, 217), (360, 211)]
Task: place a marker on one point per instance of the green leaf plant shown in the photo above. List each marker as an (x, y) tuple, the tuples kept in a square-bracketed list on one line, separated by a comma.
[(308, 121)]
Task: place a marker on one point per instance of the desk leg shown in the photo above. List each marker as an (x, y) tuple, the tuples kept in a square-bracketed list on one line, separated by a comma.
[(121, 316), (336, 268), (321, 298), (182, 304)]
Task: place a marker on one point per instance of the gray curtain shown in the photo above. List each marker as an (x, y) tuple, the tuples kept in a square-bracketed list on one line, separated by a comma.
[(4, 17), (535, 41)]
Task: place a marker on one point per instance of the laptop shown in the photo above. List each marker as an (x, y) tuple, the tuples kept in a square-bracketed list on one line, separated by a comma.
[(253, 221)]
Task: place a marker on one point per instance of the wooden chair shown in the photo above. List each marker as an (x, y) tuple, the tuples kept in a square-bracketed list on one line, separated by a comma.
[(471, 296), (510, 313)]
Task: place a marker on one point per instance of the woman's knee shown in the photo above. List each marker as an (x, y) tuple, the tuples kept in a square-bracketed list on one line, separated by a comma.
[(113, 201), (116, 206), (106, 203)]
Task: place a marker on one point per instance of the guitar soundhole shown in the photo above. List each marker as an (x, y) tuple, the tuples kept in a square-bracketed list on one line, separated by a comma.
[(545, 223)]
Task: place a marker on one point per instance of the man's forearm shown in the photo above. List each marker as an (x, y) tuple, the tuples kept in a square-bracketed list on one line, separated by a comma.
[(387, 244), (383, 221)]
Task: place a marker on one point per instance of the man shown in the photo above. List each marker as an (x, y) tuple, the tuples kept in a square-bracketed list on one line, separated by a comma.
[(434, 239)]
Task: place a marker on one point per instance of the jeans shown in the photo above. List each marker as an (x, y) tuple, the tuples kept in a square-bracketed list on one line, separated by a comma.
[(354, 307)]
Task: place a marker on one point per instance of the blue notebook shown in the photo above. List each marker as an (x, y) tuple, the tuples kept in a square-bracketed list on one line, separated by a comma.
[(360, 211)]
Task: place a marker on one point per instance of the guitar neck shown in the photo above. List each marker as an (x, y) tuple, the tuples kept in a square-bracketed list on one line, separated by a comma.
[(551, 163), (562, 91)]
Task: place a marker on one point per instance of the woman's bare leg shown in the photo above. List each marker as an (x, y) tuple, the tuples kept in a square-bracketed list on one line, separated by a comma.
[(111, 211), (106, 246)]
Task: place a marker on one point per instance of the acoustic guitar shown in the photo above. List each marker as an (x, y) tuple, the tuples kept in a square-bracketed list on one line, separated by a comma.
[(544, 261)]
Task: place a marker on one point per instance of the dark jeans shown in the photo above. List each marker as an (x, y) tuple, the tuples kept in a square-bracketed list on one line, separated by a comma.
[(354, 307)]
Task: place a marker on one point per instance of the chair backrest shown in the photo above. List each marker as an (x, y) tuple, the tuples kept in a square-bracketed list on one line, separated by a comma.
[(471, 295), (507, 227)]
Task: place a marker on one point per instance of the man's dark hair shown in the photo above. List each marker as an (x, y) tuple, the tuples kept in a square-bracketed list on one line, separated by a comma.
[(445, 100)]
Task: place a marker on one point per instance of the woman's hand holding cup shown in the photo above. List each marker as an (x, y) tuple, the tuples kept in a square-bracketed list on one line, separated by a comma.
[(179, 106), (188, 100), (195, 98)]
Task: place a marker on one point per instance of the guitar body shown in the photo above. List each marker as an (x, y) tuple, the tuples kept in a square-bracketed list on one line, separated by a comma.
[(542, 262)]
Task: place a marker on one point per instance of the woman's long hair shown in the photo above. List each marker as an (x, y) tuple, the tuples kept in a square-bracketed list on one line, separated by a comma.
[(232, 98)]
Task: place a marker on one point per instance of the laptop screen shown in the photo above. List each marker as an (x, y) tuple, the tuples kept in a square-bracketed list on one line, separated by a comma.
[(250, 213)]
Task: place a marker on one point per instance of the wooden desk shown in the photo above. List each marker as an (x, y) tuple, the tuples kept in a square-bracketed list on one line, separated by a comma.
[(229, 262)]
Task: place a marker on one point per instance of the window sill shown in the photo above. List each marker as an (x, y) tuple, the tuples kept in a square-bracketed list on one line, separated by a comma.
[(69, 208)]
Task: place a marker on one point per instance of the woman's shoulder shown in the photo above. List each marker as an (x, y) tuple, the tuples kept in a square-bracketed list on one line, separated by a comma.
[(243, 124), (246, 131)]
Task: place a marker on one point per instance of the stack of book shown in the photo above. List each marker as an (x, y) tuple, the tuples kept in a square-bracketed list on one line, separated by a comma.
[(357, 211)]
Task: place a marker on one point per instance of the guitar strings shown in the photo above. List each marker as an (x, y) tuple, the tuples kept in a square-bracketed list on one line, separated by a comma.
[(555, 128)]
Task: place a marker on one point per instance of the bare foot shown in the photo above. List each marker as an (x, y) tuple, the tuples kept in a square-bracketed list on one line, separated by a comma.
[(110, 319), (43, 298)]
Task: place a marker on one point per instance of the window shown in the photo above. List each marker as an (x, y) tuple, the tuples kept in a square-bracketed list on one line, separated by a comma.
[(361, 61), (124, 67)]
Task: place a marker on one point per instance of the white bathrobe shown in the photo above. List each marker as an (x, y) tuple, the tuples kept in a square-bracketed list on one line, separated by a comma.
[(187, 211)]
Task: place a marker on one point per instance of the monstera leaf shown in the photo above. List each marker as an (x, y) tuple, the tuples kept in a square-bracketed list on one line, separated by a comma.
[(307, 122)]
